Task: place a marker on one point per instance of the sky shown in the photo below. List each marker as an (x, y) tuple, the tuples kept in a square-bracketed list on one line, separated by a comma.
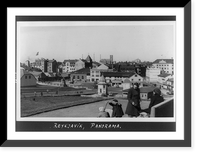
[(147, 42)]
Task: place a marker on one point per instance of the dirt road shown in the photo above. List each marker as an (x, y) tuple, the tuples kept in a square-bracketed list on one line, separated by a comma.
[(87, 110)]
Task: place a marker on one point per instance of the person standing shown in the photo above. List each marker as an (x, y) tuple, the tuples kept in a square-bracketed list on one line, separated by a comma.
[(155, 99), (133, 106), (136, 87)]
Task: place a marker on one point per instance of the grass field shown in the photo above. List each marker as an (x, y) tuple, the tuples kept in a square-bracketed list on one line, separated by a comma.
[(43, 104), (40, 88)]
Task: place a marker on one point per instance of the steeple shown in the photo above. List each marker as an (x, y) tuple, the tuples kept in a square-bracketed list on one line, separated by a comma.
[(89, 59)]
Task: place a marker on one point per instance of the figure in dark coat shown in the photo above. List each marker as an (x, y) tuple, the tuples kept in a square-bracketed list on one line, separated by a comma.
[(133, 106), (155, 99), (117, 108)]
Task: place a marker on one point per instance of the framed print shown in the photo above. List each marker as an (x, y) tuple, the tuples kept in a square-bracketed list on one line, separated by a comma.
[(88, 77)]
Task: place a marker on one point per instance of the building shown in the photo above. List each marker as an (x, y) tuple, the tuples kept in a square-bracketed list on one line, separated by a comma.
[(125, 68), (69, 66), (59, 67), (152, 74), (84, 63), (170, 83), (136, 78), (52, 66), (164, 77), (107, 61), (80, 75), (95, 73), (102, 86), (95, 64), (165, 64), (44, 65), (126, 84), (38, 75), (88, 62), (145, 92), (27, 79), (80, 64), (110, 76)]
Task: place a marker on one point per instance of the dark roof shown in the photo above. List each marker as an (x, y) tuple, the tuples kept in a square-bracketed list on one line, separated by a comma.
[(143, 89), (146, 89), (127, 81), (65, 74), (50, 61), (166, 60), (117, 74), (88, 59), (97, 63), (82, 71), (164, 75)]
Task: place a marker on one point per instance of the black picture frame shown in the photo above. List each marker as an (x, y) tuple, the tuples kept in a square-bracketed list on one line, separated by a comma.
[(128, 143)]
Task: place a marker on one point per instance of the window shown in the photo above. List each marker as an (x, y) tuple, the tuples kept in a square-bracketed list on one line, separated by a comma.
[(78, 77), (29, 77), (139, 79), (135, 75), (82, 77), (25, 77)]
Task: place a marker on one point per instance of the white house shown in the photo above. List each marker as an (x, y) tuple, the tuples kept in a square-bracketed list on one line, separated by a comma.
[(69, 66), (152, 74), (170, 83), (136, 78), (79, 64), (95, 73), (165, 64), (164, 77), (126, 84), (27, 79)]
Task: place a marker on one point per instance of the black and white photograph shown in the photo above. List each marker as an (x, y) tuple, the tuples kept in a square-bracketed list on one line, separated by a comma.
[(94, 78), (110, 70)]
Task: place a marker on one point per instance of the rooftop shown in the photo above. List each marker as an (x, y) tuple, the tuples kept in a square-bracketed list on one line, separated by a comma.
[(143, 89), (117, 74), (171, 61), (82, 71), (88, 59), (35, 73), (147, 89), (164, 75), (22, 73), (127, 81)]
